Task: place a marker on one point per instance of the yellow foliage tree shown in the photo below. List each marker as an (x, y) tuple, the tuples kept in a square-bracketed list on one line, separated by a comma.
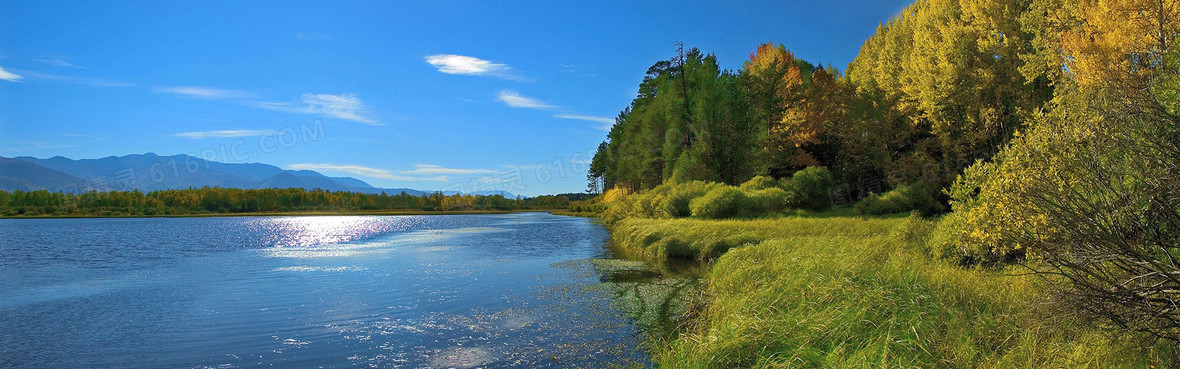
[(952, 68), (1120, 41)]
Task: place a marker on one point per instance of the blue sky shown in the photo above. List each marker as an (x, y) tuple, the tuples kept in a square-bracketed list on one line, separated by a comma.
[(464, 95)]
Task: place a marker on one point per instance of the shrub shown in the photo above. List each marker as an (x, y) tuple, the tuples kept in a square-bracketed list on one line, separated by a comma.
[(620, 204), (759, 183), (618, 209), (915, 229), (904, 198), (676, 203), (769, 200), (592, 205), (945, 241), (647, 204), (1091, 192), (615, 194), (720, 202), (810, 189)]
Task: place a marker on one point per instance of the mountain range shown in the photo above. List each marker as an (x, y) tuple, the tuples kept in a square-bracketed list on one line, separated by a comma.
[(151, 172)]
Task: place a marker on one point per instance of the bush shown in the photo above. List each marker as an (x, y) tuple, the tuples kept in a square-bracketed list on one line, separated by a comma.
[(622, 204), (592, 205), (676, 203), (946, 242), (614, 194), (915, 229), (769, 200), (619, 209), (1091, 193), (810, 189), (720, 202), (904, 198), (759, 183), (647, 204)]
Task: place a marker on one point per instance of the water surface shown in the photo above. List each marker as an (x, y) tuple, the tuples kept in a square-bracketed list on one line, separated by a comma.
[(462, 291)]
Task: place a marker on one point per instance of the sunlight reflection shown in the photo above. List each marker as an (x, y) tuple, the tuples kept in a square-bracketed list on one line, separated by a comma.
[(327, 242), (312, 231)]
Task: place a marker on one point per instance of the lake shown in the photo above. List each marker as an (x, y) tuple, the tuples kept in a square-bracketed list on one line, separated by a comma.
[(434, 291)]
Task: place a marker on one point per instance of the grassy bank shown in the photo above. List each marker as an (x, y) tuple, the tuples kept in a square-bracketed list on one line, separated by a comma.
[(702, 240), (857, 292)]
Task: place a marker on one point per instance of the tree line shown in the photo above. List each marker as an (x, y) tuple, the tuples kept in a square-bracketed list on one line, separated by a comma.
[(1049, 128), (214, 200), (935, 89)]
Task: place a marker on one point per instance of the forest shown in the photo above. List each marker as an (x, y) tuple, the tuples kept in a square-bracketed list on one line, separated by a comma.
[(933, 92), (1025, 138), (238, 201)]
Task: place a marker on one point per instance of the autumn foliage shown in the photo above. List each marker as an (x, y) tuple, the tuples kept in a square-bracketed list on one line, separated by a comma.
[(1047, 127)]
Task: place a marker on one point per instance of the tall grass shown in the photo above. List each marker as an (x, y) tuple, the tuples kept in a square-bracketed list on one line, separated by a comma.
[(703, 240), (855, 292)]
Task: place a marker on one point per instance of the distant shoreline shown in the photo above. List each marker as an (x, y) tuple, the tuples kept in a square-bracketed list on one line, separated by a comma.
[(294, 213)]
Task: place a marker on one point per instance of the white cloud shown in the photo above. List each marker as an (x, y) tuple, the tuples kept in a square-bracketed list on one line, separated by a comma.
[(59, 63), (278, 106), (437, 169), (472, 66), (516, 100), (223, 134), (606, 122), (9, 76), (203, 92), (586, 118), (364, 171), (344, 106), (460, 64), (97, 82)]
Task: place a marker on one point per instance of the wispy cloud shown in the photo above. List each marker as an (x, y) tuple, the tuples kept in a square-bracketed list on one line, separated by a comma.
[(472, 66), (223, 134), (59, 63), (346, 106), (343, 106), (9, 76), (438, 169), (364, 171), (586, 118), (285, 107), (516, 100), (86, 81), (202, 92), (606, 122)]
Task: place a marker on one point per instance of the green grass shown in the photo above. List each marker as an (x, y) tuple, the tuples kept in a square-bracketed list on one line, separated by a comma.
[(861, 292), (664, 239)]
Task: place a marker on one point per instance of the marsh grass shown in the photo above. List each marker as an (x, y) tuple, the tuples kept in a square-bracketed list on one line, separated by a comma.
[(837, 291)]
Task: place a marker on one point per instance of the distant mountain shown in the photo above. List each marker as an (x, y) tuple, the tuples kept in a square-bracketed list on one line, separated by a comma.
[(26, 176), (352, 182), (289, 180), (151, 172)]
